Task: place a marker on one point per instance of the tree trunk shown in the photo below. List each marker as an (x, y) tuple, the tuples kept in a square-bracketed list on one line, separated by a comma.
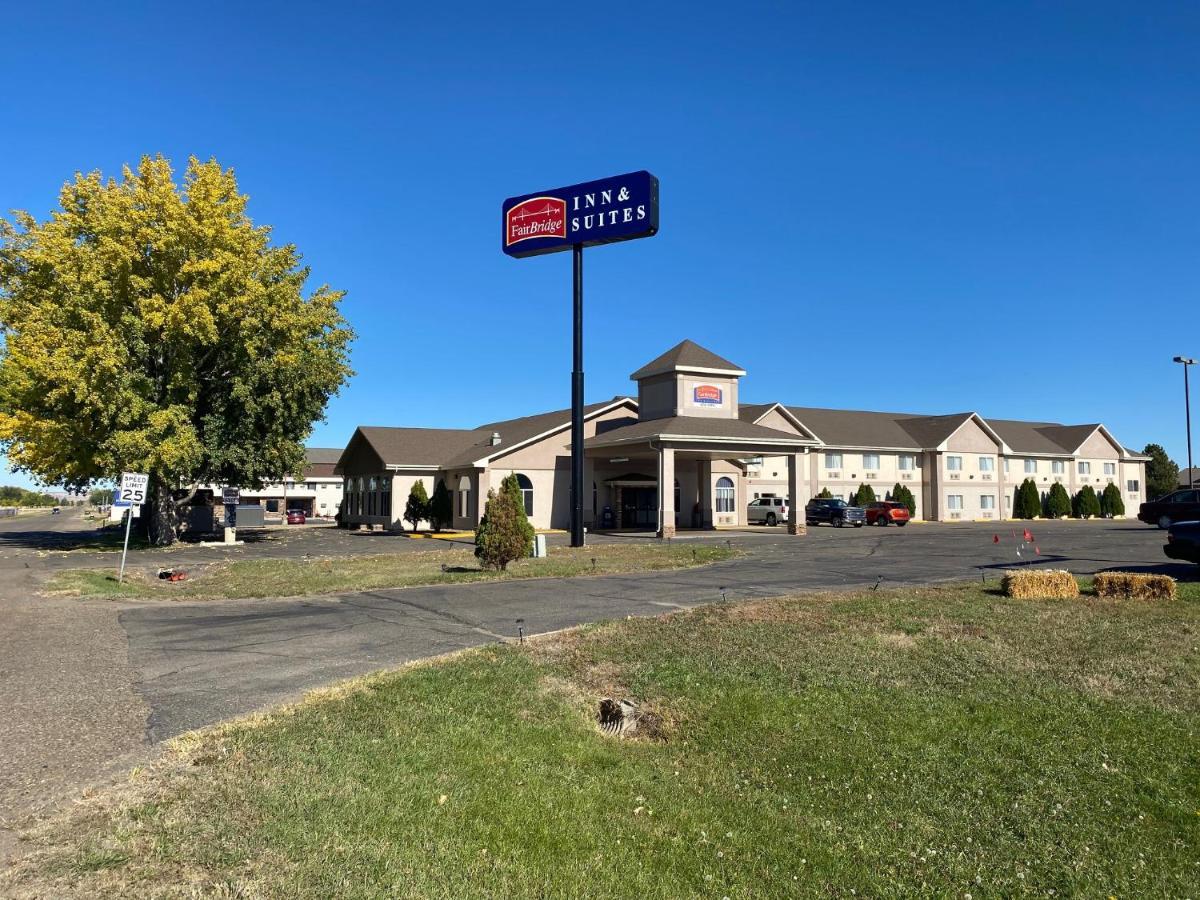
[(159, 515)]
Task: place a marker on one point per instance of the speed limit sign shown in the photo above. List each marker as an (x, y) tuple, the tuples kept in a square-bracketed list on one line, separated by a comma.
[(133, 488)]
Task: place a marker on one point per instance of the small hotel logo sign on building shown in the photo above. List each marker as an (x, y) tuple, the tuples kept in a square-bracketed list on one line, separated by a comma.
[(537, 217), (706, 395)]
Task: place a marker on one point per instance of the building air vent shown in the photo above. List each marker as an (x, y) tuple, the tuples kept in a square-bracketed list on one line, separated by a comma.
[(495, 438)]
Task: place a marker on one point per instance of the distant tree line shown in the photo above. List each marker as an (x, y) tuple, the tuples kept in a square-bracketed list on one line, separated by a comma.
[(18, 496)]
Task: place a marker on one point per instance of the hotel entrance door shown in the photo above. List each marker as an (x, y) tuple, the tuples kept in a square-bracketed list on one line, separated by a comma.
[(639, 507)]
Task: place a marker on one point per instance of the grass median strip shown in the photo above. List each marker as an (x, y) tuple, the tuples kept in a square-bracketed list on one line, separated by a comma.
[(325, 575), (945, 742)]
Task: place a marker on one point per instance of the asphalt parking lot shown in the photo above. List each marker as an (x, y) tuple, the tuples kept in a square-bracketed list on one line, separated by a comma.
[(87, 686)]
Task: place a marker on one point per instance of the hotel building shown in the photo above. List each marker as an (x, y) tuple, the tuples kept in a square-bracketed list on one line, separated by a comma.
[(687, 431)]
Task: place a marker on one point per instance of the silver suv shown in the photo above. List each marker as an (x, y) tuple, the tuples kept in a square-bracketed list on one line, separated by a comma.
[(767, 511)]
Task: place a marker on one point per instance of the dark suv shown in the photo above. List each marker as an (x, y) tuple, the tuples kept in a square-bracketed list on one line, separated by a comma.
[(1183, 542), (1181, 506), (836, 512)]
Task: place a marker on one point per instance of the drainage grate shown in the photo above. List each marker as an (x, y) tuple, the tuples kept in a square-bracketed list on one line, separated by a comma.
[(618, 717)]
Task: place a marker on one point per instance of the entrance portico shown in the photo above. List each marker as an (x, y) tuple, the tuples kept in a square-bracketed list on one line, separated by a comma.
[(689, 434)]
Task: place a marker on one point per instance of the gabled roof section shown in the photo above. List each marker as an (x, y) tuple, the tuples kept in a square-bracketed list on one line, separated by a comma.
[(321, 462), (688, 356), (400, 447), (754, 413), (856, 428), (516, 433), (933, 431)]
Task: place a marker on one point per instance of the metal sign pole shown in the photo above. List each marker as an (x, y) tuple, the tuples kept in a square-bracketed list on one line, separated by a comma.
[(125, 549), (577, 403)]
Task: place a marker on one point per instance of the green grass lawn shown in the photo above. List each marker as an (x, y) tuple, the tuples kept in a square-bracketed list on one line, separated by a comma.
[(944, 742), (324, 575)]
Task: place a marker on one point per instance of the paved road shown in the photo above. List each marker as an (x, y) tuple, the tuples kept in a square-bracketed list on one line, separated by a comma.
[(91, 682)]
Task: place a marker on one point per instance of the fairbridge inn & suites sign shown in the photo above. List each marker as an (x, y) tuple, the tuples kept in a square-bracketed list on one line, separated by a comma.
[(582, 215), (596, 212)]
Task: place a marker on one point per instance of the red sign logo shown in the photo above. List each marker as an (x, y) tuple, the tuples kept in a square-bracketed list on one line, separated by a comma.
[(706, 395), (537, 217)]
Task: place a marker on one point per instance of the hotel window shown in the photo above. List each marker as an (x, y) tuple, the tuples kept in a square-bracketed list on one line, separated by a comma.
[(385, 496), (953, 463), (987, 501), (1133, 485), (954, 502), (725, 495), (1110, 468), (1085, 468), (1031, 467), (526, 487), (1057, 467), (870, 460), (1006, 465), (464, 497), (833, 460), (987, 464), (907, 462)]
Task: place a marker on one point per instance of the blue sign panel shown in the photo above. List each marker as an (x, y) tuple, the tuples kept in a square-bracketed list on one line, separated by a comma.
[(595, 212)]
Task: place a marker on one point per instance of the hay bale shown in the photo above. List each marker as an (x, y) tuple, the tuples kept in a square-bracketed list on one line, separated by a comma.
[(1134, 586), (1039, 584)]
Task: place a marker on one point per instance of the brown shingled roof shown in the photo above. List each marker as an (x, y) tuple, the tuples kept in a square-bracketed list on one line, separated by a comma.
[(453, 447), (686, 355)]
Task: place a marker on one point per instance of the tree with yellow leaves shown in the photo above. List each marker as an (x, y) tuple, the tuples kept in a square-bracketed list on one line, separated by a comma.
[(151, 326)]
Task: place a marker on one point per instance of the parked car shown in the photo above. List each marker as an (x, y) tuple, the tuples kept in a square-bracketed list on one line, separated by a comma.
[(767, 511), (1181, 506), (1183, 542), (836, 512), (295, 517), (885, 512)]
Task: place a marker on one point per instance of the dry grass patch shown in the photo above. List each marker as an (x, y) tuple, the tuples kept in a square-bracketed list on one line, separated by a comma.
[(1040, 584), (250, 578)]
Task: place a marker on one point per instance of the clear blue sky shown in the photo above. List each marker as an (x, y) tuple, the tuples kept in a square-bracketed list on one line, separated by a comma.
[(909, 207)]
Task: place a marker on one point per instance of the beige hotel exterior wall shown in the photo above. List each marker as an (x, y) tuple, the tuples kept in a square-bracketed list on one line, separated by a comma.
[(933, 483)]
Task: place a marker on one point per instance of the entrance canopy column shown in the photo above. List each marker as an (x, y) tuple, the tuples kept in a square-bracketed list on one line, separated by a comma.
[(796, 497), (704, 477), (666, 492)]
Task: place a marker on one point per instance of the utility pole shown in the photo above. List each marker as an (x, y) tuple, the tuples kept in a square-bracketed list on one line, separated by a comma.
[(1187, 406)]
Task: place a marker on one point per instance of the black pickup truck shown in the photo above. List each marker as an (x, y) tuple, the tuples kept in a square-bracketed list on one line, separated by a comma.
[(836, 512), (1181, 506)]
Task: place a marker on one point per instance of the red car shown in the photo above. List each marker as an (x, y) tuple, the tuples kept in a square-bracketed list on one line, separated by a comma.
[(885, 512), (295, 517)]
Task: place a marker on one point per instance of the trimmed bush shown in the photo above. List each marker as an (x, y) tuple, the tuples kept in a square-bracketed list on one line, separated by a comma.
[(1133, 586), (864, 495), (440, 507), (1039, 584), (1027, 502), (417, 507), (902, 494), (504, 533), (825, 494), (1058, 502), (1111, 503), (1086, 504)]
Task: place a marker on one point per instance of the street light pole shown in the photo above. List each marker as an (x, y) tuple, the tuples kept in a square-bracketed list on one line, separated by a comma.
[(1187, 405)]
